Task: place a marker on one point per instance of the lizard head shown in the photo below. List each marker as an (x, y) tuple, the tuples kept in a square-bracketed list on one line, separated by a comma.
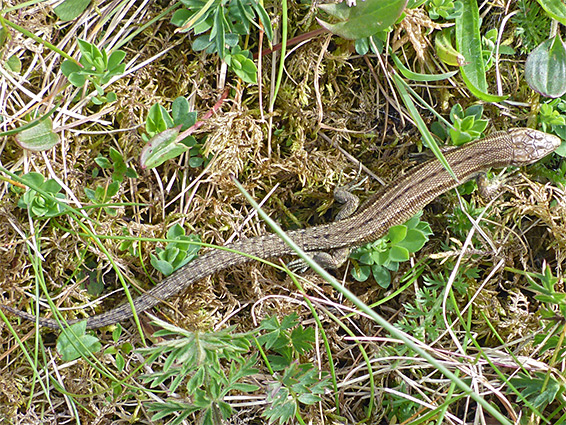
[(531, 145)]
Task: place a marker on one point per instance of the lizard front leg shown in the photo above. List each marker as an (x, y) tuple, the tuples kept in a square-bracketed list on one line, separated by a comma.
[(335, 258)]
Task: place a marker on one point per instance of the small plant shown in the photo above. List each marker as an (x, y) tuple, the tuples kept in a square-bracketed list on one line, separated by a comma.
[(214, 364), (117, 352), (459, 224), (383, 256), (116, 163), (162, 130), (489, 42), (446, 9), (74, 342), (38, 205), (287, 339), (540, 389), (241, 62), (219, 26), (299, 383), (97, 67), (103, 195), (424, 318), (467, 125), (176, 254)]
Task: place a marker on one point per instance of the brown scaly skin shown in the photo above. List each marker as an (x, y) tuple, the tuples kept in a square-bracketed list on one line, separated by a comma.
[(391, 206)]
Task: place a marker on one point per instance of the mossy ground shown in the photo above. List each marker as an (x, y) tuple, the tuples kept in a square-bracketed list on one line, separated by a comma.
[(326, 88)]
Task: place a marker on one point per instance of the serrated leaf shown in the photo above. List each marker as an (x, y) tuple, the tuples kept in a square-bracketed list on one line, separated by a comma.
[(302, 339), (39, 137), (364, 19)]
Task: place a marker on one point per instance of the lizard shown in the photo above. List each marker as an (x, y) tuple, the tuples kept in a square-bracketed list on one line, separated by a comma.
[(392, 205)]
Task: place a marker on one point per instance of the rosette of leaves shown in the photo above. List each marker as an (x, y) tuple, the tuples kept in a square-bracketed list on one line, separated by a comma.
[(380, 258), (97, 67), (176, 254), (36, 202)]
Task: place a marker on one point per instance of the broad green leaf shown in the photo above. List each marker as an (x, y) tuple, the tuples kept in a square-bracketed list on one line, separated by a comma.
[(364, 19), (361, 273), (14, 64), (468, 43), (397, 233), (71, 9), (163, 266), (158, 120), (68, 67), (39, 137), (74, 343), (555, 8), (398, 253), (181, 114), (381, 276), (545, 69), (160, 148), (414, 240)]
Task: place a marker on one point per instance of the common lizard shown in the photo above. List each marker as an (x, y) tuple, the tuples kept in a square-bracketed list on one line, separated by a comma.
[(392, 205)]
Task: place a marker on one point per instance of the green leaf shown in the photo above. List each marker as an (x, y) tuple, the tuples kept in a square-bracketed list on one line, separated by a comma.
[(116, 57), (414, 240), (399, 254), (468, 42), (163, 266), (397, 233), (71, 9), (309, 398), (74, 343), (161, 148), (363, 20), (14, 64), (77, 79), (361, 273), (302, 339), (545, 69), (39, 137), (381, 276), (407, 73), (92, 56), (158, 120), (181, 114), (68, 67), (555, 8)]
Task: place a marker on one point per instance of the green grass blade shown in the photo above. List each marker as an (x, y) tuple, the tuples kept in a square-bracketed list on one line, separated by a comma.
[(423, 129)]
